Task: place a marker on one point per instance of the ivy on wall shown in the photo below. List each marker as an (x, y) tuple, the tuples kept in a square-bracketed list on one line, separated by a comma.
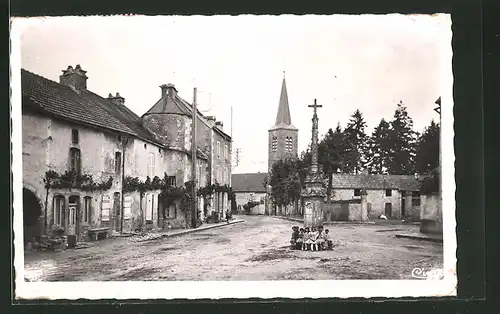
[(72, 180), (132, 184)]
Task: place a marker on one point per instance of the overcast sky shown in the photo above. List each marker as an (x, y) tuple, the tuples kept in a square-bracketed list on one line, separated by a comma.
[(366, 62)]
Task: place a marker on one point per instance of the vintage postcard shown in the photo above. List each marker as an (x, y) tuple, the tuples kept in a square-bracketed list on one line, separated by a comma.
[(188, 157)]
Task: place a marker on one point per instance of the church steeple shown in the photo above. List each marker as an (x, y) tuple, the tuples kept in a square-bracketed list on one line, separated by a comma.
[(283, 135), (283, 118)]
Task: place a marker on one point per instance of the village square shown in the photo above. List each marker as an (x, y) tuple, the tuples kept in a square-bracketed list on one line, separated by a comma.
[(110, 195)]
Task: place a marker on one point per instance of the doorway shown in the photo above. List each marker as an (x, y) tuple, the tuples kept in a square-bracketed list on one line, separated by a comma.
[(388, 210), (403, 207), (116, 210), (71, 220), (31, 214)]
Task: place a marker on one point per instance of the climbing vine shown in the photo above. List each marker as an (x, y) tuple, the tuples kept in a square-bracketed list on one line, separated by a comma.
[(71, 179), (210, 189)]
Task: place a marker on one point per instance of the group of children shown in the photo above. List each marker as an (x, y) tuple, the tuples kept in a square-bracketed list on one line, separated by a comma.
[(311, 239)]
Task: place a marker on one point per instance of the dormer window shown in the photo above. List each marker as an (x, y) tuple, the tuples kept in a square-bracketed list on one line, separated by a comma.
[(74, 136), (274, 143)]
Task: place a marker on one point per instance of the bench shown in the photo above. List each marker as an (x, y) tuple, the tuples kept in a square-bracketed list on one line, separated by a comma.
[(96, 232)]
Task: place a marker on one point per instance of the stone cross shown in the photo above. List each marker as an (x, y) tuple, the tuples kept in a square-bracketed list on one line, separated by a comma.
[(314, 142)]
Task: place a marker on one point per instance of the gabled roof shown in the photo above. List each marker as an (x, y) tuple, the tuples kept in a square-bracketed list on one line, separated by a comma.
[(375, 182), (248, 182), (80, 106), (283, 118)]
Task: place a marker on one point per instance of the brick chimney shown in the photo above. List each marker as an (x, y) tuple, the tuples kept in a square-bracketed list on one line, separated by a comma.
[(168, 89), (74, 78), (220, 125), (211, 120), (118, 99)]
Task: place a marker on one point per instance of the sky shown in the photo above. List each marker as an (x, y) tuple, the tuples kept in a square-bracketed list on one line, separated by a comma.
[(346, 62)]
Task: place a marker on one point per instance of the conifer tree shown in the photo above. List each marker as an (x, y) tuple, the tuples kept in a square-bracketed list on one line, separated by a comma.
[(355, 143), (403, 143), (427, 158), (379, 148)]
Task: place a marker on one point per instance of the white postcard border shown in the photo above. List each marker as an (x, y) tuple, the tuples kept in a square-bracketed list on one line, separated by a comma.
[(239, 289)]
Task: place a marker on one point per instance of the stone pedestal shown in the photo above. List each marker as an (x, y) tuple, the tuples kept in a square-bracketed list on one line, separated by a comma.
[(314, 198)]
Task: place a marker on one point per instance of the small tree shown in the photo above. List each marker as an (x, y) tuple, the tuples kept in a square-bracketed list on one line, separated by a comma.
[(285, 181)]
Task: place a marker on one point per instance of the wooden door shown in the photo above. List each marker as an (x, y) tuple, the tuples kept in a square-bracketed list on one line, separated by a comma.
[(72, 216), (388, 210)]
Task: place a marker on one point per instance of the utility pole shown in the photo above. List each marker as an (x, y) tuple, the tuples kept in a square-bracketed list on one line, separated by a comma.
[(193, 162)]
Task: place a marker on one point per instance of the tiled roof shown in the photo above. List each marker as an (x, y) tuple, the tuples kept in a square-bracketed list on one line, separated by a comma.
[(375, 181), (248, 182), (80, 106)]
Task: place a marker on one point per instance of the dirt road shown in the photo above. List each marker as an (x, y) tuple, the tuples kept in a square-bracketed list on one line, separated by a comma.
[(255, 250)]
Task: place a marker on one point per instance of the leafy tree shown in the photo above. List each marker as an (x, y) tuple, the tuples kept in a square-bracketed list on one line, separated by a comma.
[(403, 143), (427, 158), (331, 153), (379, 148), (285, 181), (355, 143), (304, 164)]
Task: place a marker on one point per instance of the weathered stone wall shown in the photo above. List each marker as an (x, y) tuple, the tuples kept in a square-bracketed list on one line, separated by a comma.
[(431, 216), (170, 129), (46, 146), (376, 200), (221, 163)]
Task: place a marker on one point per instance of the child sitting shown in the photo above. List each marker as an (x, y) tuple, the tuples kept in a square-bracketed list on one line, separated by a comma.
[(295, 236), (314, 237), (321, 238), (307, 241), (328, 240), (300, 239)]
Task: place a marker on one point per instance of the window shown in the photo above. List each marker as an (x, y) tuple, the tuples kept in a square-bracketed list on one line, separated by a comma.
[(218, 150), (288, 144), (226, 155), (87, 209), (171, 181), (74, 136), (226, 175), (151, 165), (118, 162), (274, 144), (58, 210), (200, 168), (75, 160), (388, 192), (357, 192), (217, 171), (171, 211)]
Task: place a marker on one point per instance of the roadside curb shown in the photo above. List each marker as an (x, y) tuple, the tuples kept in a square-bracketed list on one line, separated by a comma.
[(417, 237), (329, 222), (171, 235)]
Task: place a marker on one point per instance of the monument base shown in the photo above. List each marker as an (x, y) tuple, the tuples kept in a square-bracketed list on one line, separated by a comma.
[(313, 212)]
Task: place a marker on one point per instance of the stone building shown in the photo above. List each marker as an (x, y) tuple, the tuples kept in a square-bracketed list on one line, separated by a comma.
[(248, 187), (68, 129), (395, 196)]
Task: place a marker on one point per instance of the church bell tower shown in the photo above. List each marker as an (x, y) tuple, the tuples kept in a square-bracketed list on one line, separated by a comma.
[(283, 135)]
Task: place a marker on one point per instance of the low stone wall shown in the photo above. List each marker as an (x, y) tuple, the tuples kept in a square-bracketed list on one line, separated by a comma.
[(342, 210), (431, 217)]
